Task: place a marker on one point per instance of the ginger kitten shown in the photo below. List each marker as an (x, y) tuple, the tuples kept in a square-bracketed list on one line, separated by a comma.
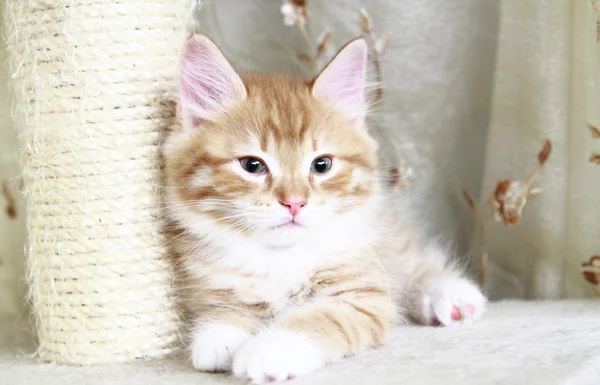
[(290, 252)]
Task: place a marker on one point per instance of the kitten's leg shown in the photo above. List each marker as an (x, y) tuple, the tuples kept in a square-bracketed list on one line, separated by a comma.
[(349, 314), (216, 336), (439, 293)]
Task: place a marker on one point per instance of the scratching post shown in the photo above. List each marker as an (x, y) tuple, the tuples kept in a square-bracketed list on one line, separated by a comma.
[(88, 79)]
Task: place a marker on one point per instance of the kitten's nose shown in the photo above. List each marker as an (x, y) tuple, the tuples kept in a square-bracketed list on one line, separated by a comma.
[(294, 205)]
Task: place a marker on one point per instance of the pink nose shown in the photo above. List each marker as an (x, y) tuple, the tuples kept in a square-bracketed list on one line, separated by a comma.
[(294, 205)]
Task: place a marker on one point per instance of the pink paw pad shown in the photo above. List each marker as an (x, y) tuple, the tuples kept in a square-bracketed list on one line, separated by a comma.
[(456, 314)]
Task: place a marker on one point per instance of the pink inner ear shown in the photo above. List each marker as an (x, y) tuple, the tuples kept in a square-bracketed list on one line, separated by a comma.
[(207, 81), (342, 82)]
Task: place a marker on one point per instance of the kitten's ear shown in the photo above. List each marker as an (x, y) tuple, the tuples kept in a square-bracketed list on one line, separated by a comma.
[(342, 82), (207, 82)]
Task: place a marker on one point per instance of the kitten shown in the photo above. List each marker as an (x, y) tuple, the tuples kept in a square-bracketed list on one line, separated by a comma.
[(290, 252)]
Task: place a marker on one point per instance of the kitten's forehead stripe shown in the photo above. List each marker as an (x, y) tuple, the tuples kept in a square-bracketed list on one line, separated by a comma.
[(264, 141)]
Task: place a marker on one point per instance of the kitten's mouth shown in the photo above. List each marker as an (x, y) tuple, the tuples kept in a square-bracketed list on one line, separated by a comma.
[(291, 224)]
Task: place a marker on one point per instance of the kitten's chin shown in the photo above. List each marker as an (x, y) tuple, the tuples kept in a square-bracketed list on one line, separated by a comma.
[(285, 235)]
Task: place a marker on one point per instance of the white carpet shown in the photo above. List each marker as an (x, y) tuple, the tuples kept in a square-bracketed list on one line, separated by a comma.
[(515, 343)]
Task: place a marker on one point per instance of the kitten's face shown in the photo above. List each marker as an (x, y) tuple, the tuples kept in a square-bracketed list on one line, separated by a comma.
[(276, 159)]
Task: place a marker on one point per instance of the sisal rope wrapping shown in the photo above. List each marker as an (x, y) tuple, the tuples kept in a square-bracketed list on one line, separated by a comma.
[(88, 79)]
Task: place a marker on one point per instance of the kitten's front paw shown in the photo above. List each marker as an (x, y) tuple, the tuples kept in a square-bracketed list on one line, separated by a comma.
[(277, 355), (452, 301), (213, 346)]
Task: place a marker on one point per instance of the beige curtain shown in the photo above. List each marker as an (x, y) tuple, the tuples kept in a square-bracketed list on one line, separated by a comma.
[(12, 226), (546, 87)]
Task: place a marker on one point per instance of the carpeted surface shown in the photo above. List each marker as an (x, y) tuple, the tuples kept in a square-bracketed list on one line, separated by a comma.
[(515, 343)]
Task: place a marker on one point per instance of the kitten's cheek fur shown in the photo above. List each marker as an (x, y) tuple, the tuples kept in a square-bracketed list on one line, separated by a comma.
[(277, 355), (452, 301), (213, 346)]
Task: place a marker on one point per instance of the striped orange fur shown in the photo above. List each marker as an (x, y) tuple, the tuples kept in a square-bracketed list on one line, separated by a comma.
[(272, 288)]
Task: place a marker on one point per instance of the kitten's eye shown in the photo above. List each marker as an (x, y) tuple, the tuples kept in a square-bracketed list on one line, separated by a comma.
[(253, 165), (321, 165)]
